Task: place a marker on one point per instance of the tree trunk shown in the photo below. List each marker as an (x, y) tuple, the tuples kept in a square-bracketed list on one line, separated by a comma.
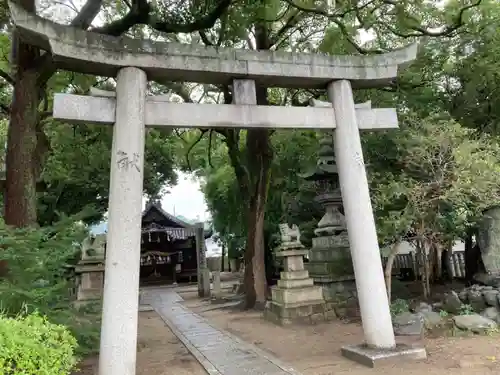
[(20, 188), (388, 268), (259, 157), (422, 265), (259, 160), (26, 144)]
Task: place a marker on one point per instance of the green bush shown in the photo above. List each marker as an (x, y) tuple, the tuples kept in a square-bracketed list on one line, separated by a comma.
[(38, 279), (31, 345)]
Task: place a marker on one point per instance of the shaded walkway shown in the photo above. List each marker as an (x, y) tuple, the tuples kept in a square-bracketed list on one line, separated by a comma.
[(219, 352)]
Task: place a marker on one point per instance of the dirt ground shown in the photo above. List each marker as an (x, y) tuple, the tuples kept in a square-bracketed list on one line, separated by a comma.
[(315, 350), (159, 352)]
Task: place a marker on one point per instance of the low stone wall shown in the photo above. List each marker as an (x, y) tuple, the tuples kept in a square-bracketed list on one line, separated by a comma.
[(484, 300), (341, 297)]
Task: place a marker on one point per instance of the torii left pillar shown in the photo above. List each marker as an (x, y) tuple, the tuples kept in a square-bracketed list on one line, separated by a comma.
[(118, 350)]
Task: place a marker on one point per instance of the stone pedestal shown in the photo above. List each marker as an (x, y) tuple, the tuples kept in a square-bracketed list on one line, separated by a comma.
[(90, 280), (330, 266), (216, 283), (295, 299)]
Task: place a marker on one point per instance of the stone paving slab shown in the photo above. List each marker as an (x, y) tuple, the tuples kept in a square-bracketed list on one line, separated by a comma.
[(219, 352)]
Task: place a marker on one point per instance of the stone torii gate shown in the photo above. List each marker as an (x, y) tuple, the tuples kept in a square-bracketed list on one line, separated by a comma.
[(135, 62)]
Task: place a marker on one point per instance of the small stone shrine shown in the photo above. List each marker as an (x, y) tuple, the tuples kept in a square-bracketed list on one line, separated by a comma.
[(90, 269), (330, 264), (295, 299)]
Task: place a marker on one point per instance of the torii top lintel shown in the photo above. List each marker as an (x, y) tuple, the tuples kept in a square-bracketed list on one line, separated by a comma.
[(92, 53)]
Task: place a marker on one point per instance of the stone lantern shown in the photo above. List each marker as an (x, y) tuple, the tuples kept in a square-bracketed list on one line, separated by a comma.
[(295, 299), (330, 263), (90, 269)]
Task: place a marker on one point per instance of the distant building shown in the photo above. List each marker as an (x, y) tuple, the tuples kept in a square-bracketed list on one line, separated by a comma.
[(168, 250)]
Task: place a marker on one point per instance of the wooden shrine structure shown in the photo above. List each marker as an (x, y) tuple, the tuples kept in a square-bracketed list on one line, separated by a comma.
[(168, 247)]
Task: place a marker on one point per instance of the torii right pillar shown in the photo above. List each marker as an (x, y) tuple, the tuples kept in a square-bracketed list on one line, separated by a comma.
[(380, 345)]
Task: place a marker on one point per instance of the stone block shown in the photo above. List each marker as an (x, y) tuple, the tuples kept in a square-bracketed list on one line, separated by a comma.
[(330, 254), (310, 313), (330, 242), (373, 357), (91, 282), (339, 291), (297, 283), (332, 269), (216, 283), (292, 253), (296, 295), (294, 275), (293, 263)]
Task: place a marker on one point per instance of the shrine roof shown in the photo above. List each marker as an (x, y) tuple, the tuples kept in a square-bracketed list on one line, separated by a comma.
[(163, 218), (176, 222)]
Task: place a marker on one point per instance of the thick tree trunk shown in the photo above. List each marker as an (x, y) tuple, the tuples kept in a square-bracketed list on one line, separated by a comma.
[(259, 159), (254, 280), (20, 188)]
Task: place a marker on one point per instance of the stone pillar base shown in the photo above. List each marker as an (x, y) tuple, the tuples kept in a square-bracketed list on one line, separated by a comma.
[(286, 314), (373, 357), (296, 300)]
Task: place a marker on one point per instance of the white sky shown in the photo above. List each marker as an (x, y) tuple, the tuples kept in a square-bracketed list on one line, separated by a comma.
[(186, 199)]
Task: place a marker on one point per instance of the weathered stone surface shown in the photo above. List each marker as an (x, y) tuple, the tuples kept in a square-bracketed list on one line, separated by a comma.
[(340, 291), (474, 322), (101, 110), (463, 295), (408, 324), (479, 297), (452, 303), (491, 297), (218, 352), (431, 319), (491, 313), (293, 263), (476, 300), (104, 55), (489, 240), (295, 275), (331, 242), (295, 299), (373, 358), (310, 313), (298, 283), (422, 307), (296, 295)]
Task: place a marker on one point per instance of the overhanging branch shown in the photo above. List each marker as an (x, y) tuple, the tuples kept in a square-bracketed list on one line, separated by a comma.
[(141, 13), (417, 30)]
